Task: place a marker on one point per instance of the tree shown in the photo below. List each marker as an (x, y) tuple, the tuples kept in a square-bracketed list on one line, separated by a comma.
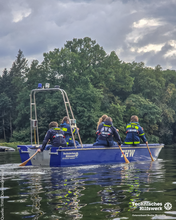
[(97, 83), (149, 115), (5, 108), (6, 89)]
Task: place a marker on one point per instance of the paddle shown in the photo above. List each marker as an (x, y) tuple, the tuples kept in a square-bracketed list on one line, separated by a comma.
[(149, 151), (126, 160), (25, 162)]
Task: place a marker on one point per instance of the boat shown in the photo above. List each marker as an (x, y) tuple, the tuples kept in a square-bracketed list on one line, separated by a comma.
[(87, 155), (5, 149), (84, 154)]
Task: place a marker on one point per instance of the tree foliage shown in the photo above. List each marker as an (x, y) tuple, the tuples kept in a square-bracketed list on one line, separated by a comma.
[(97, 83)]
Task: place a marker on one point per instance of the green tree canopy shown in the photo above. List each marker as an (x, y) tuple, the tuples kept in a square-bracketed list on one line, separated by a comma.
[(97, 83)]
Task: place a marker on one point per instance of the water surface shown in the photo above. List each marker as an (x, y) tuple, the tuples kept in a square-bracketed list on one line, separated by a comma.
[(103, 192)]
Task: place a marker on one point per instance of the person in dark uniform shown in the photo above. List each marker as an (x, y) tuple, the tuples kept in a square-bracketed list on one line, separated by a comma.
[(106, 132), (101, 121), (55, 135), (134, 132), (65, 126)]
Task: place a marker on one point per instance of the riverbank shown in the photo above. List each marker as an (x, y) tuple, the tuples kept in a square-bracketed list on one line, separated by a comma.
[(12, 144)]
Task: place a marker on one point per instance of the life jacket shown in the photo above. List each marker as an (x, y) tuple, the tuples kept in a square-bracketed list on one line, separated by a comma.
[(66, 128), (132, 127), (105, 131), (59, 133), (57, 136), (134, 132)]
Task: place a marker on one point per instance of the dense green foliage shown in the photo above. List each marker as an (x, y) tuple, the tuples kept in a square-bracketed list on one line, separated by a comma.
[(97, 83)]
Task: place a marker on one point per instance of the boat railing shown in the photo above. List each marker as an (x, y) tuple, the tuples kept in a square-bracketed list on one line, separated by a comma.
[(34, 120)]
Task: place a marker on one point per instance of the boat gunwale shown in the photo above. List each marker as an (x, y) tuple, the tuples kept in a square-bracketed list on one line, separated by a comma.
[(104, 148), (107, 148)]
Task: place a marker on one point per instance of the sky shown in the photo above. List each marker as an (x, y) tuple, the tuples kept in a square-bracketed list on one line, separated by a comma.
[(137, 30)]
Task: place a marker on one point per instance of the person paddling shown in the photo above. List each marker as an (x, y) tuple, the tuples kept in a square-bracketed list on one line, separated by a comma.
[(134, 132), (65, 126), (106, 131), (101, 121), (55, 135)]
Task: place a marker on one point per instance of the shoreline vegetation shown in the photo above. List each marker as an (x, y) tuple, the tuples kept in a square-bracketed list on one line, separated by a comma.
[(12, 144), (97, 83)]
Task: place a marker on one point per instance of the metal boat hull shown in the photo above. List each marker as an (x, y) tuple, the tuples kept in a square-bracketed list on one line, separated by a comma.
[(88, 155)]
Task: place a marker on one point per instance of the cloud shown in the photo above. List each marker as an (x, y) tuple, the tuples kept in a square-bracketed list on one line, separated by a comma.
[(172, 50), (137, 30), (20, 11)]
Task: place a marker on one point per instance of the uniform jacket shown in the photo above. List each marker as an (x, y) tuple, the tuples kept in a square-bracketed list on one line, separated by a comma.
[(67, 133), (56, 137), (105, 132), (134, 133)]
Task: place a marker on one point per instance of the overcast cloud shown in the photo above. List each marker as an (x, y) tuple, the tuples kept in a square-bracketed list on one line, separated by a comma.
[(138, 30)]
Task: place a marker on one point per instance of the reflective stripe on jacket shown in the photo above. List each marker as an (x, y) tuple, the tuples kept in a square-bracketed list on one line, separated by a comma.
[(134, 133), (68, 135), (56, 136)]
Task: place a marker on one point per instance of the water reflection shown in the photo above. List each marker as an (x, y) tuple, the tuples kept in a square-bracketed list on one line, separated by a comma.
[(2, 195), (119, 194), (36, 186), (87, 192), (63, 192)]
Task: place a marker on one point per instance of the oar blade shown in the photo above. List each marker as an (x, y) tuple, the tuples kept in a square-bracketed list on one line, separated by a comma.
[(126, 160), (25, 162)]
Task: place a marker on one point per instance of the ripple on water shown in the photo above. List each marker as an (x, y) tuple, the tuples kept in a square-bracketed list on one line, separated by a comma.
[(87, 192)]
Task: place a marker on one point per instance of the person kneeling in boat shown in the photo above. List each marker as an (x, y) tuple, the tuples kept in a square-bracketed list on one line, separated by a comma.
[(106, 131), (101, 121), (134, 132), (55, 135), (67, 132)]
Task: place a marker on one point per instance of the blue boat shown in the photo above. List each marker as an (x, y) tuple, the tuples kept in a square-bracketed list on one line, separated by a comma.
[(87, 155)]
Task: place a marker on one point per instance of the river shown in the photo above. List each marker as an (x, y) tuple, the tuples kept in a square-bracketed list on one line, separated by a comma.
[(140, 190)]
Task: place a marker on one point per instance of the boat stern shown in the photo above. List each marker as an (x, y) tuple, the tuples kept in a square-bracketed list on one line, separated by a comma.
[(24, 153)]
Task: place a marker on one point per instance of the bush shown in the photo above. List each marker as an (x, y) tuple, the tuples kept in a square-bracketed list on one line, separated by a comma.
[(21, 136)]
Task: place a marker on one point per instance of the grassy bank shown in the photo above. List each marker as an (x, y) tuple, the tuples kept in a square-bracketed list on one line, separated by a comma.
[(12, 144)]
